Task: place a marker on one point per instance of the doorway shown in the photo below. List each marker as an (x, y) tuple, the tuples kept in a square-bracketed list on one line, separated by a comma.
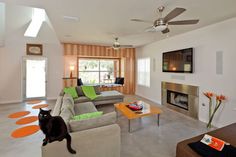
[(34, 78)]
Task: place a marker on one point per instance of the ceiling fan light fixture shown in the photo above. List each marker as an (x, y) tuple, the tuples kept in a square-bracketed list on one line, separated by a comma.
[(116, 43), (160, 28), (116, 48)]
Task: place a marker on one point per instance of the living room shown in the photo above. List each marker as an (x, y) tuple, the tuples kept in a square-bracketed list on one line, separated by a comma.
[(79, 45)]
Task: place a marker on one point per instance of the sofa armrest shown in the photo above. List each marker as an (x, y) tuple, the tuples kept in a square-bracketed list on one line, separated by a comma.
[(106, 119), (97, 142)]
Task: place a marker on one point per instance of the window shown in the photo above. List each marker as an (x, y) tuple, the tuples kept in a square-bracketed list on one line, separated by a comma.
[(98, 71), (144, 71)]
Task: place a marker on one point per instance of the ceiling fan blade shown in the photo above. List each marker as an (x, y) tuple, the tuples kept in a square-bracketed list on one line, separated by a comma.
[(126, 46), (139, 20), (173, 14), (167, 30), (183, 22), (150, 29)]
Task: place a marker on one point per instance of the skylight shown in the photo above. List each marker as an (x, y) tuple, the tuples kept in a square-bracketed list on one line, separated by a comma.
[(38, 17)]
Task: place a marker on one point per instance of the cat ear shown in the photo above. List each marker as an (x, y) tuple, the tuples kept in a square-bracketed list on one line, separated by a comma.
[(49, 111), (40, 109)]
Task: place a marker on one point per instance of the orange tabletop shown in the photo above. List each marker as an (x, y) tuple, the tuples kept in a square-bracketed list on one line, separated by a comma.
[(146, 111)]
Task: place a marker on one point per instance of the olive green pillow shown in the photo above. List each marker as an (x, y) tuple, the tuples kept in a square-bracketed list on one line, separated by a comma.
[(72, 91), (88, 115)]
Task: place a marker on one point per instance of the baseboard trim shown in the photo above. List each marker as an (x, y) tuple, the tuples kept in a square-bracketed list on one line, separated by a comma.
[(158, 102), (20, 101), (10, 102), (51, 98)]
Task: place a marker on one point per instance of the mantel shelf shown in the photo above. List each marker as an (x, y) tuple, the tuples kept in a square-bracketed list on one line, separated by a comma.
[(69, 78)]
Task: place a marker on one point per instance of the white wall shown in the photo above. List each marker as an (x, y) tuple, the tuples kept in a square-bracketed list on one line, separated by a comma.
[(17, 20), (206, 42), (2, 23)]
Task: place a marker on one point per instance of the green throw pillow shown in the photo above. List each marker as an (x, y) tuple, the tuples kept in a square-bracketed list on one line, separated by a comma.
[(71, 91), (88, 115)]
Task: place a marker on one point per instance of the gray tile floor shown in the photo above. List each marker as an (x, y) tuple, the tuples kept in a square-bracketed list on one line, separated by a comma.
[(146, 140)]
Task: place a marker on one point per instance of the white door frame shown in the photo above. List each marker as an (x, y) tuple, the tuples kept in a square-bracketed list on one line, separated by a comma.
[(24, 58)]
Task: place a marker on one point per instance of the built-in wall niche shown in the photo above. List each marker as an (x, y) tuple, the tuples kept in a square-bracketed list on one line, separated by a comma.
[(126, 56)]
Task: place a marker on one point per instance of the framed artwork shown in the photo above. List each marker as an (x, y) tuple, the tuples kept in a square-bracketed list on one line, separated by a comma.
[(34, 49)]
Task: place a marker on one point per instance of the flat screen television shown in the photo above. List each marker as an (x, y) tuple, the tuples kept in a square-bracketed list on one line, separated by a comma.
[(178, 61)]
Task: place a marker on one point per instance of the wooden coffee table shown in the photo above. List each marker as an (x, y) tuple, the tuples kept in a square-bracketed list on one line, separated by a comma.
[(148, 110)]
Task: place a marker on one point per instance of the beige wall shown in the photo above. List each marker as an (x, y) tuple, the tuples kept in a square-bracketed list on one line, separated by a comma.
[(206, 42), (17, 20)]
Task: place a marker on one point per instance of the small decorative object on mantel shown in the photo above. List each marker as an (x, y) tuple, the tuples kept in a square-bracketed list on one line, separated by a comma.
[(213, 107), (34, 49), (72, 68)]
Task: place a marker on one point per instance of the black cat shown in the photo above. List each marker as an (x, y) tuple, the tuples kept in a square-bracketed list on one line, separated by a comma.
[(54, 129)]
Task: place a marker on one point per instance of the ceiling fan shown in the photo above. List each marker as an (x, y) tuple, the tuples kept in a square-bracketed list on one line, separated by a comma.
[(161, 24), (116, 45)]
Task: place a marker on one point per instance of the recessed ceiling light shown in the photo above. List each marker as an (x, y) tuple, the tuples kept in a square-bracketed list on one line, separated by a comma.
[(71, 18)]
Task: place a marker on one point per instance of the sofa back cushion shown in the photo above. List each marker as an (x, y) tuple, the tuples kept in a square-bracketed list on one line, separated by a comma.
[(119, 80), (84, 107), (68, 103), (57, 108), (66, 115), (81, 93), (79, 82), (72, 91)]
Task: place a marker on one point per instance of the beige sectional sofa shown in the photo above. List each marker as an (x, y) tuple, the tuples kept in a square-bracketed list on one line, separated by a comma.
[(105, 97), (98, 137)]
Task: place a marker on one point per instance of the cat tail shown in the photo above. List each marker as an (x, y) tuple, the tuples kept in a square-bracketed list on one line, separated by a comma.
[(68, 139)]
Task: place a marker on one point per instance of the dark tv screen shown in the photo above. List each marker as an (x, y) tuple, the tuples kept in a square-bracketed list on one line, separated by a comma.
[(178, 61)]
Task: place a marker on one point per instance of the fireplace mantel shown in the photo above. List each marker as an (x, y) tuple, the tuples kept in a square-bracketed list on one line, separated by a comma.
[(192, 93)]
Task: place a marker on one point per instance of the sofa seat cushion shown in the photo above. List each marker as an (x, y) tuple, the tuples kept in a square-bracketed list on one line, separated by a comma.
[(106, 119), (108, 95), (81, 99), (85, 107)]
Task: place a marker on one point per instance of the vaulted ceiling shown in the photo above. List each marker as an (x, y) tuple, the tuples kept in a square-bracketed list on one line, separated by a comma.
[(101, 20)]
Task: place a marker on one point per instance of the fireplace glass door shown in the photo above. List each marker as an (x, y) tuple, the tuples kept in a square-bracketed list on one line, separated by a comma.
[(177, 99)]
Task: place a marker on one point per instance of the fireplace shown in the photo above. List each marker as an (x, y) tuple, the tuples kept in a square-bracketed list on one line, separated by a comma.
[(181, 98), (177, 99)]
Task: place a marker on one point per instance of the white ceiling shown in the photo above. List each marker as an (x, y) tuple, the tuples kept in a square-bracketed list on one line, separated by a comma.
[(100, 20)]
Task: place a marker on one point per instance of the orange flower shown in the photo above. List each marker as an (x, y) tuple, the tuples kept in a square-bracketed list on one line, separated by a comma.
[(208, 94), (220, 97)]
